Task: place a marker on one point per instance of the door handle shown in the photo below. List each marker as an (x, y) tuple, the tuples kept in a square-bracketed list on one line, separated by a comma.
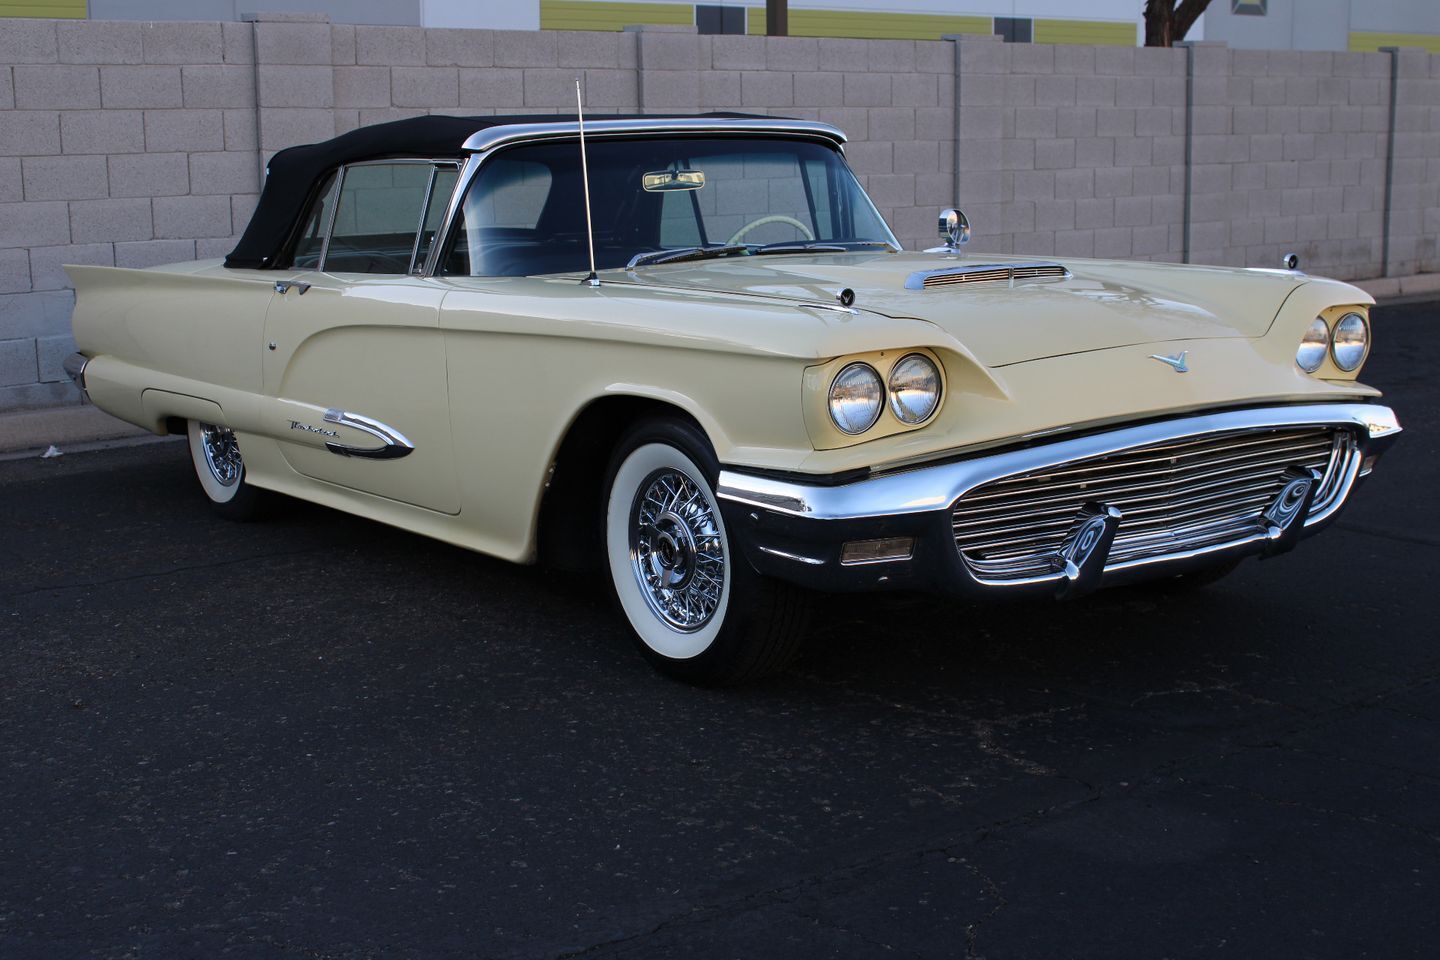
[(281, 286), (393, 443)]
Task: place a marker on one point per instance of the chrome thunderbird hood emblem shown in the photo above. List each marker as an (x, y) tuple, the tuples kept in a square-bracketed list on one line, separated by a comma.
[(1177, 362)]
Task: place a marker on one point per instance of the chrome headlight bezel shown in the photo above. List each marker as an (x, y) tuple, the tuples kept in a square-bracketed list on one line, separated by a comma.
[(893, 392), (1314, 345), (1364, 343), (849, 373)]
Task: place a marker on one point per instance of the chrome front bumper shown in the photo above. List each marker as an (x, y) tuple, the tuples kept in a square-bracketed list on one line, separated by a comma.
[(796, 530)]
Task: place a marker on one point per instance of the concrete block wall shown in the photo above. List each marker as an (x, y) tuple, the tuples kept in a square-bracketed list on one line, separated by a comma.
[(121, 144), (1083, 152), (133, 144), (893, 98), (1289, 154), (1073, 151)]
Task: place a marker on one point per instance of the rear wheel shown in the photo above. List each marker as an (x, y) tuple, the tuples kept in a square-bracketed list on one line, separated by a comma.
[(698, 612), (221, 470)]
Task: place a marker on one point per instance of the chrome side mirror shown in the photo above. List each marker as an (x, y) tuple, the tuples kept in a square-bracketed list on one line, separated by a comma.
[(954, 229), (954, 232)]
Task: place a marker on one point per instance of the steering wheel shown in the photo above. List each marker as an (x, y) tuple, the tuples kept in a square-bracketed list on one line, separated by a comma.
[(773, 218)]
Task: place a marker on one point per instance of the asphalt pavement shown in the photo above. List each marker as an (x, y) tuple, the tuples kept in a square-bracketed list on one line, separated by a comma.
[(318, 737)]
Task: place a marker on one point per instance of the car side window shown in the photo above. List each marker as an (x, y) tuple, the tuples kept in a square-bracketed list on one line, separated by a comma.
[(441, 188), (311, 245), (377, 218), (497, 233)]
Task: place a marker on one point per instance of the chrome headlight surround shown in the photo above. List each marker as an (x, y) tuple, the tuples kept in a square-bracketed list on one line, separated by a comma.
[(856, 397), (1313, 346), (1350, 342), (914, 389)]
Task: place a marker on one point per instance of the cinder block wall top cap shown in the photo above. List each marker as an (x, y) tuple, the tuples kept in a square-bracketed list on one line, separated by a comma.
[(661, 28), (266, 16)]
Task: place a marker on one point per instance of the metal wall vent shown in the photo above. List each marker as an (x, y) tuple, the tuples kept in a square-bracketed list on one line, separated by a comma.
[(1007, 273)]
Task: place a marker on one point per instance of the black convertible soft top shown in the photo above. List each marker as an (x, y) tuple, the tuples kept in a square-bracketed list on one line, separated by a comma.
[(294, 173)]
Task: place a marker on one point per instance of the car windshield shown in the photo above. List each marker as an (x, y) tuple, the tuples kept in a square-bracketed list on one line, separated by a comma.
[(656, 201)]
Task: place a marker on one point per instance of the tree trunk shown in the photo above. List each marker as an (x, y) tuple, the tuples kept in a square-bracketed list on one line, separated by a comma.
[(1167, 23)]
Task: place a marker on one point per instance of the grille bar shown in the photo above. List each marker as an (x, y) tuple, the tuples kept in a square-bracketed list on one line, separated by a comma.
[(1174, 497), (1002, 503)]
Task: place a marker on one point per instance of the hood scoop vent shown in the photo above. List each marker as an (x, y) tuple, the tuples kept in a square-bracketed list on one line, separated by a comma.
[(1006, 273)]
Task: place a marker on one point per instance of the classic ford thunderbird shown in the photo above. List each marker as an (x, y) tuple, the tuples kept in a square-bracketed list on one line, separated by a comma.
[(715, 376)]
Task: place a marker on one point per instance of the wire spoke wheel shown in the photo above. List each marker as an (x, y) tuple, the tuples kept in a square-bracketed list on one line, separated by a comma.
[(677, 551), (222, 454), (215, 454), (696, 608)]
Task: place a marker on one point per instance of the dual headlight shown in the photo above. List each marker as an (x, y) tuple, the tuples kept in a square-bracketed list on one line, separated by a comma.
[(1347, 344), (858, 394)]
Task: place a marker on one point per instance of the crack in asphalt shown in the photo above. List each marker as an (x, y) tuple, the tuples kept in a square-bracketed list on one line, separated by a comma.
[(992, 887), (1190, 688), (982, 731)]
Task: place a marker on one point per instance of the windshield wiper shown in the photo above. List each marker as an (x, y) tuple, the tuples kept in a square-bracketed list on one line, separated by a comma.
[(820, 246), (688, 253), (801, 246)]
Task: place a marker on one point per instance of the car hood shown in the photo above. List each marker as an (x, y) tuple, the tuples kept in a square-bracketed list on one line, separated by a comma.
[(1099, 305)]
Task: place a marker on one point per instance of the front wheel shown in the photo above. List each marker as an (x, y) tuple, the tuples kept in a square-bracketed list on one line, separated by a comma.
[(221, 470), (698, 612)]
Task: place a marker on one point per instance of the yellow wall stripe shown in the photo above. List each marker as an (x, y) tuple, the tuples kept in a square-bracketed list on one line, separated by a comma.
[(887, 26), (1370, 42), (600, 15), (1103, 33), (59, 9)]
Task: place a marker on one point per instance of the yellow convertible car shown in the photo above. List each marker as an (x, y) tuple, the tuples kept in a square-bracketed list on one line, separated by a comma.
[(690, 353)]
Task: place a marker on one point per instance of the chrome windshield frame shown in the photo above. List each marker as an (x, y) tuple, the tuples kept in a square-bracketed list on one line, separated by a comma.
[(507, 135), (485, 144)]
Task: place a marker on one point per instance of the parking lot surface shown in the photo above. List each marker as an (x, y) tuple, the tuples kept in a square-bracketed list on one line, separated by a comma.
[(320, 737)]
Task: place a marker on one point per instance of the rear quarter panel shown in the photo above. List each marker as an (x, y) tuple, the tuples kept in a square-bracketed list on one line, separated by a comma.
[(187, 332)]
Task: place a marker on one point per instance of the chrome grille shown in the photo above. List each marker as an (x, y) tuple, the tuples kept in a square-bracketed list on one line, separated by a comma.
[(1176, 496)]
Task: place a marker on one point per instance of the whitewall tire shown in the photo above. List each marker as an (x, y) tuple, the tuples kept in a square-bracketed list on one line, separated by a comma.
[(220, 468), (698, 612)]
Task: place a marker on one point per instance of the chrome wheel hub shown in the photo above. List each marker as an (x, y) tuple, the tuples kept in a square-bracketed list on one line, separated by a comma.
[(222, 454), (676, 550)]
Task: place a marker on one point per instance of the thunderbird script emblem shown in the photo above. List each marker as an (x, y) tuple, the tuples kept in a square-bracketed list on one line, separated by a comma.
[(1177, 362)]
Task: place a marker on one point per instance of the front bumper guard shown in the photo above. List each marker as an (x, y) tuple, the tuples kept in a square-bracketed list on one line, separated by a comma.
[(795, 531)]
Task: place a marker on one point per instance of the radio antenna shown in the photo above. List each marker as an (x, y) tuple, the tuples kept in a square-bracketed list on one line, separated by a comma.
[(593, 279)]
